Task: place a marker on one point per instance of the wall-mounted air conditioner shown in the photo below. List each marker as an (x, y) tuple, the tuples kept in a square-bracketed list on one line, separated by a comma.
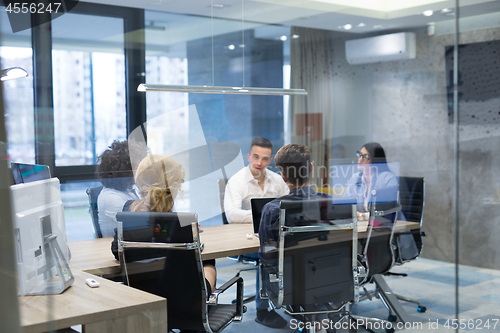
[(399, 46)]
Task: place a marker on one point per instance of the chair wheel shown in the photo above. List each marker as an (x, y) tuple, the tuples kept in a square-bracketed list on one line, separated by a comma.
[(390, 330), (392, 318), (244, 309), (421, 309)]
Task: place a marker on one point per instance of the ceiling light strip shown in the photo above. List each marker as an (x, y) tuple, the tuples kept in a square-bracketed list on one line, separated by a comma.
[(146, 87)]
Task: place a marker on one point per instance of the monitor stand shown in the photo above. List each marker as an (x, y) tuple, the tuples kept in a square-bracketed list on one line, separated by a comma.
[(55, 282)]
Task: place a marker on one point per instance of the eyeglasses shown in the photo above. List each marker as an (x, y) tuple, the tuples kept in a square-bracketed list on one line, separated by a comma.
[(365, 157)]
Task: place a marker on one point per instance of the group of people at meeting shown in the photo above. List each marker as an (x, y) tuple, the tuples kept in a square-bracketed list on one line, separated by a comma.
[(158, 181)]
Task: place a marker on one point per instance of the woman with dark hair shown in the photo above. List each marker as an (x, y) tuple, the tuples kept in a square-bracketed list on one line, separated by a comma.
[(373, 176), (115, 173)]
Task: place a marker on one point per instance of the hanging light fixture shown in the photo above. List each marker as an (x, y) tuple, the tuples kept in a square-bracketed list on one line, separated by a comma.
[(145, 87), (12, 73), (213, 89)]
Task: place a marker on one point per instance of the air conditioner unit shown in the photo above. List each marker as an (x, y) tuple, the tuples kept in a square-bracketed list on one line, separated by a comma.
[(399, 46)]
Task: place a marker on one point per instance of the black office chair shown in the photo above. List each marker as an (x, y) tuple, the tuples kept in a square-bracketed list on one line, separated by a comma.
[(378, 257), (93, 194), (222, 182), (412, 198), (175, 237), (311, 270)]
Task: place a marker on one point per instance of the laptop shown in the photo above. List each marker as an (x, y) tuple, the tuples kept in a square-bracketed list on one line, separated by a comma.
[(25, 173), (257, 206)]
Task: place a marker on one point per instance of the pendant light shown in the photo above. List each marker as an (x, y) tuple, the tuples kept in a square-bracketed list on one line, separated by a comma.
[(12, 73), (213, 89)]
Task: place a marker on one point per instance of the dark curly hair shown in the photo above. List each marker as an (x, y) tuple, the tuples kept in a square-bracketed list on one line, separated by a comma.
[(115, 169)]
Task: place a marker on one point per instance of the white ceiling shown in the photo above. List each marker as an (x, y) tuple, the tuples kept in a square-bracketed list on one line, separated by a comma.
[(373, 15), (270, 18)]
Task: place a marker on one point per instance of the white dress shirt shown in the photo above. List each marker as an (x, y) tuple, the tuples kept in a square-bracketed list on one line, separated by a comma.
[(243, 186)]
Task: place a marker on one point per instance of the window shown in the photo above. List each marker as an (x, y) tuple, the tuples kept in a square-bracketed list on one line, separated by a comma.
[(89, 86), (15, 51)]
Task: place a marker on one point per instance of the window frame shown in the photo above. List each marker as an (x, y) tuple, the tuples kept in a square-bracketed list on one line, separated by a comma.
[(135, 68)]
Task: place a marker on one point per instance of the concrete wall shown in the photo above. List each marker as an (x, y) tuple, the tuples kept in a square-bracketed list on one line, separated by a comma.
[(409, 117)]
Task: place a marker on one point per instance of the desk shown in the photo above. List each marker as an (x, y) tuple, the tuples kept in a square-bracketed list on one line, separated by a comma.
[(94, 255), (114, 307)]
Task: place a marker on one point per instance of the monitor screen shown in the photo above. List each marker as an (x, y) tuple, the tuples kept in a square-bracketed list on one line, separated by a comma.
[(343, 173), (257, 206), (25, 173)]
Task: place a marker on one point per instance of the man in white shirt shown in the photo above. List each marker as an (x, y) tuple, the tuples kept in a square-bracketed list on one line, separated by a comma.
[(255, 181)]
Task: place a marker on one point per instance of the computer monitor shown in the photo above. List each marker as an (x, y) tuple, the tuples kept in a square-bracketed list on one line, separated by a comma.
[(25, 173), (341, 171), (344, 171), (37, 212), (257, 206)]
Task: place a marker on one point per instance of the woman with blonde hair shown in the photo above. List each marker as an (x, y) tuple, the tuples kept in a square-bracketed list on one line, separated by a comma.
[(159, 179)]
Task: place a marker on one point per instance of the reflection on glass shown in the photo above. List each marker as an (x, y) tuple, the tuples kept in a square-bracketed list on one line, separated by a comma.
[(18, 103), (76, 210)]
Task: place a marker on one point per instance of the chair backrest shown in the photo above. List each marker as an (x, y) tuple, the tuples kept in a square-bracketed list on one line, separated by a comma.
[(93, 194), (412, 198), (222, 192), (315, 257), (378, 251), (181, 280)]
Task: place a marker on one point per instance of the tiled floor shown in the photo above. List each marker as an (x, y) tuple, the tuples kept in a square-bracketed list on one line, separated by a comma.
[(430, 281)]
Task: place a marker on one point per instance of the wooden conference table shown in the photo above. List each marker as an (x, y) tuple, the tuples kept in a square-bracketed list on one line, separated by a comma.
[(114, 307)]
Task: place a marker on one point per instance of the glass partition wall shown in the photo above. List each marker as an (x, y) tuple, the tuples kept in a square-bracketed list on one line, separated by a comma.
[(478, 104), (419, 80)]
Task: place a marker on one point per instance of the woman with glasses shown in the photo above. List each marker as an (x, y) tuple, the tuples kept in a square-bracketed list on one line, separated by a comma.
[(374, 178)]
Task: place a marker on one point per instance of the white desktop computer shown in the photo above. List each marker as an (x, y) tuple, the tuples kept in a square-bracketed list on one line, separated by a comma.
[(40, 237)]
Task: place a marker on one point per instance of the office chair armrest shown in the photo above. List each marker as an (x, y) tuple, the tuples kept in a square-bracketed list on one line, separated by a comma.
[(214, 297), (396, 209)]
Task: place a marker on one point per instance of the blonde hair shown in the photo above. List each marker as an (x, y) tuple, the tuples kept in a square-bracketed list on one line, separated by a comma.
[(158, 178)]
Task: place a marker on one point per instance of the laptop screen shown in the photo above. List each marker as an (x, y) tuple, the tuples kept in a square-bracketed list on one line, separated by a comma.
[(25, 173), (257, 206)]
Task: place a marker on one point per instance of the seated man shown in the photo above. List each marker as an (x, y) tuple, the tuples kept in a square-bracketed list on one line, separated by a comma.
[(294, 163), (254, 181)]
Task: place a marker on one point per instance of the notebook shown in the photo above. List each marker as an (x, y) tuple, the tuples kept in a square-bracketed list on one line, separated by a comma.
[(257, 206)]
